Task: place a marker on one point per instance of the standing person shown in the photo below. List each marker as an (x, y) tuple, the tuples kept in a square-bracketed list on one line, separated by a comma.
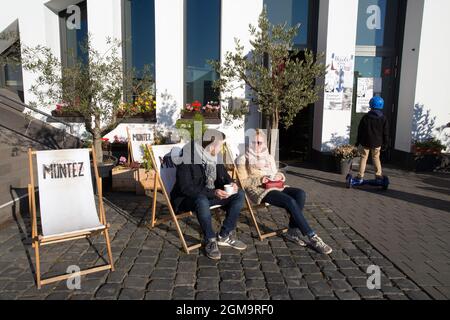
[(373, 135), (265, 184), (200, 185)]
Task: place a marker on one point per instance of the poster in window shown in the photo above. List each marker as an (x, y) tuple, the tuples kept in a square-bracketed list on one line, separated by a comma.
[(339, 82)]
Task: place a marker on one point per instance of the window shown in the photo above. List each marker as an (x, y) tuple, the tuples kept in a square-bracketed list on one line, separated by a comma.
[(291, 12), (202, 44), (377, 21), (74, 34), (139, 35)]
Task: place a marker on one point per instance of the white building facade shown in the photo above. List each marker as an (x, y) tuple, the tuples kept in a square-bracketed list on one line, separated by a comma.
[(393, 48)]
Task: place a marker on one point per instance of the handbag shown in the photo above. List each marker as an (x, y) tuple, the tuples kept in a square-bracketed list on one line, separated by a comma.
[(274, 184)]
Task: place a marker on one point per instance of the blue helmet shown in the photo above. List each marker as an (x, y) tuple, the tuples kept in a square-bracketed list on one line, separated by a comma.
[(376, 103)]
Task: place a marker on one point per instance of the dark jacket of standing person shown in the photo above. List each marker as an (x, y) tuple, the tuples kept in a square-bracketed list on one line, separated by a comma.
[(373, 130), (191, 181)]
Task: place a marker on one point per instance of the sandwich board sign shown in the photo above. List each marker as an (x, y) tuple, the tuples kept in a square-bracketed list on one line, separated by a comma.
[(138, 139), (66, 195)]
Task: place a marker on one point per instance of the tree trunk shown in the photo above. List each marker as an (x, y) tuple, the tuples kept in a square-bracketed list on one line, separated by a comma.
[(97, 145), (273, 137)]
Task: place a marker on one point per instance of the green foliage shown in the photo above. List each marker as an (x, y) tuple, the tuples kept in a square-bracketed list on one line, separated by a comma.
[(281, 84), (147, 163), (188, 124), (432, 143)]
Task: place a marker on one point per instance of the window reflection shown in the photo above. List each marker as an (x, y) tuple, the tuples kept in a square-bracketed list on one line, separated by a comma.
[(74, 48), (140, 38), (202, 44), (291, 12)]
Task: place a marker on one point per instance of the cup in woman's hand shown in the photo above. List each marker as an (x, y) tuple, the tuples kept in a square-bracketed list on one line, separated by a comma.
[(229, 189)]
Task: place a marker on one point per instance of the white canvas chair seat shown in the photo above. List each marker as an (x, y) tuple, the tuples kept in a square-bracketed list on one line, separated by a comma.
[(67, 203), (233, 157)]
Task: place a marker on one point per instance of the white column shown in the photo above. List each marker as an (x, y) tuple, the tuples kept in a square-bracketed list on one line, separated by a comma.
[(235, 21), (169, 60), (408, 78), (336, 36)]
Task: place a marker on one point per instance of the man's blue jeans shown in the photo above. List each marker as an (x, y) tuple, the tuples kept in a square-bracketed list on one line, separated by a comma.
[(201, 204), (293, 200)]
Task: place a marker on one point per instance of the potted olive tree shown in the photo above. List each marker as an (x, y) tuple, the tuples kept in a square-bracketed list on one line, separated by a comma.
[(93, 89), (279, 77)]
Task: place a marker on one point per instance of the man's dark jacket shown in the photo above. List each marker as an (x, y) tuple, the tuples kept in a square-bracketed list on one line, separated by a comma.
[(191, 181), (373, 130)]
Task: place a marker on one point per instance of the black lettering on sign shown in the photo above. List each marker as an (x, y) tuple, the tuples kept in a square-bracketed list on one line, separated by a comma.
[(63, 170), (166, 162), (141, 137)]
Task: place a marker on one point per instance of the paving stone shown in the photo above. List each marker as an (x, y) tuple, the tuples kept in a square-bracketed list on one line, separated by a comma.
[(160, 285), (340, 285), (207, 295), (405, 284), (273, 277), (369, 294), (417, 295), (185, 279), (347, 295), (255, 284), (296, 283), (207, 284), (253, 274), (291, 273), (258, 294), (232, 296), (108, 290), (208, 273), (309, 268), (135, 282), (183, 293), (159, 273), (59, 296), (301, 294), (158, 295), (231, 287), (131, 294), (320, 289), (231, 275)]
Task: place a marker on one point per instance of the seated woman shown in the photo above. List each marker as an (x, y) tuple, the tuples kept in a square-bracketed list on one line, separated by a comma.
[(256, 168)]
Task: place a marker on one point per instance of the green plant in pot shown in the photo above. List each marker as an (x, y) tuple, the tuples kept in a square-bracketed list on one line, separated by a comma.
[(344, 156)]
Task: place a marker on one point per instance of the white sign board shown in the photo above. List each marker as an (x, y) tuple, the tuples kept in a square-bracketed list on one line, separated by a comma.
[(166, 158), (66, 195), (339, 82), (138, 139), (367, 88)]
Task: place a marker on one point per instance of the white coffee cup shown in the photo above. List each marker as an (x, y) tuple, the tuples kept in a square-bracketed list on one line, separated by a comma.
[(229, 189)]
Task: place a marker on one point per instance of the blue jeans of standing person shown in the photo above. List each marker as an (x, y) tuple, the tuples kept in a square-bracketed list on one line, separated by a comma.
[(293, 200), (201, 204)]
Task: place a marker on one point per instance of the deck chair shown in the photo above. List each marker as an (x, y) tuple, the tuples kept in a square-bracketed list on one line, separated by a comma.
[(233, 157), (165, 169), (67, 204)]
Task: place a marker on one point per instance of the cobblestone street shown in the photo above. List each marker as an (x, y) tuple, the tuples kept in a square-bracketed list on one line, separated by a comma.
[(151, 265)]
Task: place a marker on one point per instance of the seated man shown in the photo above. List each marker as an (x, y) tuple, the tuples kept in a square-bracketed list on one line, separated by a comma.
[(200, 185)]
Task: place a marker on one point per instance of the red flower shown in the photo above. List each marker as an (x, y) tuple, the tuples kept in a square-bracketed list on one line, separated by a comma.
[(105, 139), (196, 104), (59, 107)]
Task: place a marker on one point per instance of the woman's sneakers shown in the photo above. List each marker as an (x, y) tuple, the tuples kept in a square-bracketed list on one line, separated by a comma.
[(231, 241), (317, 244), (295, 235), (212, 249)]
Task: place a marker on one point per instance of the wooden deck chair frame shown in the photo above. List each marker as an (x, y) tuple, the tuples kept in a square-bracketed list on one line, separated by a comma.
[(248, 203), (39, 240), (172, 216)]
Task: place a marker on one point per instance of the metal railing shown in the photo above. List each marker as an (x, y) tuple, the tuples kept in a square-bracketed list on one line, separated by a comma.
[(2, 96)]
